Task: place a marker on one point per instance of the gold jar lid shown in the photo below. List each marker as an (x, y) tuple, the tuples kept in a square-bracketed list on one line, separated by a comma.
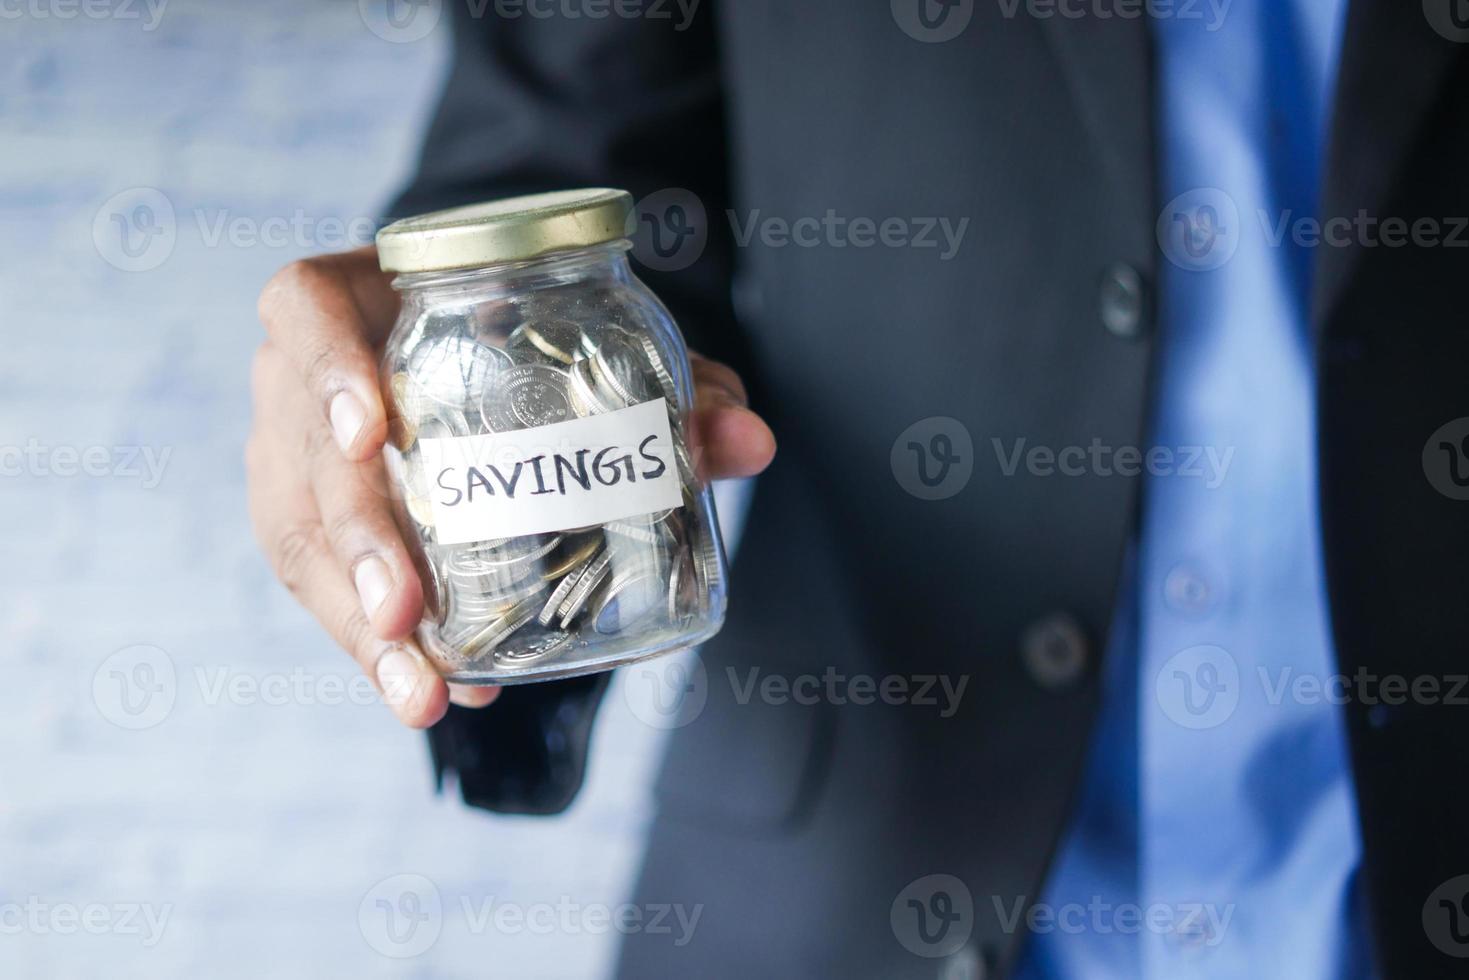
[(510, 230)]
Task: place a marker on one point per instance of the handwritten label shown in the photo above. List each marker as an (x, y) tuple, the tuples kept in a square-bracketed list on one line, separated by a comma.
[(571, 474)]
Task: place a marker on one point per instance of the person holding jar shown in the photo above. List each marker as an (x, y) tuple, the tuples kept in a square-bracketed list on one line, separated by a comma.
[(335, 536), (1115, 353)]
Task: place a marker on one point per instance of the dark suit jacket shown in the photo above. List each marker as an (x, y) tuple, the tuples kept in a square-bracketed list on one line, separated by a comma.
[(796, 827)]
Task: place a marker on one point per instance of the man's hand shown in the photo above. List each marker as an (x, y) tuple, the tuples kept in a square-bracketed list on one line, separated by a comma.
[(318, 488)]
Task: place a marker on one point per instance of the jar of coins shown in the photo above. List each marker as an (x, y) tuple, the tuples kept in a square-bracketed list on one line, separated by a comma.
[(539, 446)]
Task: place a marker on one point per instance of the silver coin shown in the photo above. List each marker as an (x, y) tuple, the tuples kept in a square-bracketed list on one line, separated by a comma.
[(489, 544), (589, 579), (454, 370), (627, 600), (706, 563), (469, 604), (685, 462), (557, 339), (675, 419), (655, 535), (479, 587), (589, 343), (558, 596), (483, 588), (619, 370), (484, 571), (681, 590), (492, 635), (563, 588), (513, 553), (631, 556), (661, 374), (586, 396), (408, 469), (444, 423), (526, 397), (408, 482), (538, 649)]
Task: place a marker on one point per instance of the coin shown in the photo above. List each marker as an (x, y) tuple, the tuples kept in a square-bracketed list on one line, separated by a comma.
[(475, 604), (525, 397), (538, 649), (480, 589), (532, 363), (650, 534), (585, 394), (575, 553), (661, 373), (496, 632), (443, 423), (435, 599), (558, 596), (685, 462), (563, 588), (588, 344), (627, 600), (706, 563), (420, 509), (619, 370), (405, 408), (681, 588), (589, 579), (484, 580), (557, 339), (453, 370), (511, 552), (408, 479)]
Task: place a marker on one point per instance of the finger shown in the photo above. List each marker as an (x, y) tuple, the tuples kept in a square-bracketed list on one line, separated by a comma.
[(356, 514), (353, 502), (718, 381), (468, 696), (731, 441), (311, 311), (290, 533), (408, 683), (372, 290)]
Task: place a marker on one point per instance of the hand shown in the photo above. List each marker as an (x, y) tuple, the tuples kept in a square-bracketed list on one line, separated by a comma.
[(318, 487)]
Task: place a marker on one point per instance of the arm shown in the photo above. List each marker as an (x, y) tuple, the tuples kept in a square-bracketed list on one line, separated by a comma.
[(540, 104), (530, 104), (545, 104)]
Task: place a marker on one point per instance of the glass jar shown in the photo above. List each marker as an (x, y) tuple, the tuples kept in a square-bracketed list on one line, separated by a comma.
[(540, 449)]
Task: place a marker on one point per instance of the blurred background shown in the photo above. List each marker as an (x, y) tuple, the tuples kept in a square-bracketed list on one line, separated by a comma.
[(195, 782)]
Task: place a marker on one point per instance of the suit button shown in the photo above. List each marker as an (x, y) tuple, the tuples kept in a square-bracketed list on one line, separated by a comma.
[(1121, 301), (1055, 651)]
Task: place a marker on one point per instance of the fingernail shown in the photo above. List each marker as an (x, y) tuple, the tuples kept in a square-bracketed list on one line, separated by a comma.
[(373, 581), (399, 673), (348, 417)]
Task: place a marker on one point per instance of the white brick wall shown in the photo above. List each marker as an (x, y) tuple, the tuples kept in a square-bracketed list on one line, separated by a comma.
[(257, 828)]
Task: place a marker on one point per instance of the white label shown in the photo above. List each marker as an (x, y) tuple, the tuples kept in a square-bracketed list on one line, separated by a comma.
[(570, 474)]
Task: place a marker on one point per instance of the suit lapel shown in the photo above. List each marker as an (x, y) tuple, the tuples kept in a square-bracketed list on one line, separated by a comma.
[(1393, 64)]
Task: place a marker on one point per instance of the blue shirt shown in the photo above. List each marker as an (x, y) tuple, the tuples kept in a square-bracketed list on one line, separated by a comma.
[(1216, 833)]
